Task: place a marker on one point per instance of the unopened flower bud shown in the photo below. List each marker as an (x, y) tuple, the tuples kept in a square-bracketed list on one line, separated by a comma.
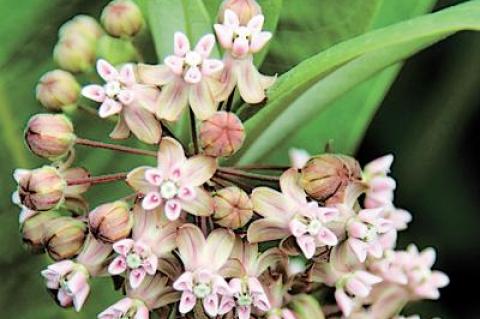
[(57, 89), (245, 9), (222, 134), (122, 18), (65, 237), (233, 207), (111, 222), (50, 135), (74, 53), (34, 230), (40, 189), (82, 25), (328, 175)]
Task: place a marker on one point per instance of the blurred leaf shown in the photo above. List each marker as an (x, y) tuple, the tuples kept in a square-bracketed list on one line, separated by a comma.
[(337, 124), (306, 307), (343, 67)]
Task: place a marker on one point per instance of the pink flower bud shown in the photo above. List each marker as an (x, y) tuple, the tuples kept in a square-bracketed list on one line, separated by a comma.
[(233, 207), (245, 10), (326, 176), (40, 189), (34, 230), (82, 25), (111, 222), (65, 237), (57, 89), (222, 134), (122, 18), (50, 135), (75, 53)]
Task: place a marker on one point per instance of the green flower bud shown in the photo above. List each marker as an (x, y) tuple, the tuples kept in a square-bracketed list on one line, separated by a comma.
[(50, 135), (233, 207), (65, 237), (111, 222), (34, 230), (40, 189), (75, 53), (57, 89), (122, 18), (82, 25)]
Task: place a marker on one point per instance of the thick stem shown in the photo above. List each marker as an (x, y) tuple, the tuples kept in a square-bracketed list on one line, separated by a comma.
[(238, 173), (98, 179), (114, 147), (193, 130)]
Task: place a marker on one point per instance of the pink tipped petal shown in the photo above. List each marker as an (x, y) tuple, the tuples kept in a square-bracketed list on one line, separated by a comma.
[(359, 248), (344, 302), (181, 44), (370, 215), (117, 266), (221, 287), (291, 188), (173, 100), (126, 97), (375, 249), (211, 67), (202, 100), (231, 19), (327, 237), (80, 297), (439, 279), (187, 302), (240, 47), (256, 23), (184, 282), (187, 193), (198, 170), (154, 176), (94, 92), (380, 165), (205, 45), (382, 183), (173, 209), (123, 247), (62, 267), (127, 74), (174, 63), (224, 35), (107, 71), (136, 180), (64, 299), (136, 277), (357, 230), (227, 303), (244, 312), (255, 286), (328, 214), (259, 41), (384, 225), (150, 265), (210, 304), (307, 245), (142, 313), (202, 205), (367, 277), (193, 75), (109, 107), (297, 228), (151, 201), (77, 282)]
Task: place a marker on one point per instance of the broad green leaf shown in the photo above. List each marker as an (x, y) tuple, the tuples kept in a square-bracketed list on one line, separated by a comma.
[(343, 124), (343, 67)]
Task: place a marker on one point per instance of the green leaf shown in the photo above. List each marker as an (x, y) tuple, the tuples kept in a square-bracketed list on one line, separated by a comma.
[(306, 307), (335, 71)]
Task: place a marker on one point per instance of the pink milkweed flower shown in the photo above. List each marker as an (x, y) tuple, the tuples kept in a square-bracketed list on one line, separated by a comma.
[(203, 259), (185, 78), (289, 213), (126, 308), (135, 258), (240, 43), (70, 281), (123, 95), (380, 185), (363, 232), (399, 219), (175, 183), (354, 285)]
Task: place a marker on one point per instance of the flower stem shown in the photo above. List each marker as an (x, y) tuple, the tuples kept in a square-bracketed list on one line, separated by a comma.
[(238, 173), (114, 147), (262, 167), (193, 130), (229, 105), (229, 179), (98, 179)]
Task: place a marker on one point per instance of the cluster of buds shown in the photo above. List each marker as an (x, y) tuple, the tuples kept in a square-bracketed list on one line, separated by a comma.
[(197, 237)]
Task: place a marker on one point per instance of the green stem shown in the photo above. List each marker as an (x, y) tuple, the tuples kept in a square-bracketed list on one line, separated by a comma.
[(114, 147), (238, 173), (98, 179), (193, 130)]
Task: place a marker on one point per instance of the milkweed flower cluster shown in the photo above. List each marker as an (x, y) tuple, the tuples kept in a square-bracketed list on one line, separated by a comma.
[(197, 237)]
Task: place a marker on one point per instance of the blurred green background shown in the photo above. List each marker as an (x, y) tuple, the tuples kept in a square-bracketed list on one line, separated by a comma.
[(428, 120)]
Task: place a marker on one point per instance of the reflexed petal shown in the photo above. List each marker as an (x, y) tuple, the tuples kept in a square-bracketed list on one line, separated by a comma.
[(231, 19), (357, 288), (154, 74), (249, 82), (63, 298), (187, 302), (235, 285), (226, 305), (136, 277), (259, 41), (94, 92), (202, 205), (197, 170), (270, 258), (210, 304), (121, 130), (170, 155), (382, 183), (173, 100), (117, 266), (224, 85), (307, 245), (243, 312), (256, 23), (357, 230), (202, 101), (173, 209), (109, 107), (367, 277), (62, 267), (344, 302), (375, 249), (80, 297), (267, 229), (184, 282), (151, 200), (328, 214), (327, 237), (224, 35), (150, 265), (136, 180), (107, 71), (291, 188), (143, 124), (191, 244), (142, 313), (219, 247), (126, 97), (359, 248), (127, 74), (221, 287), (380, 165), (154, 176), (205, 45), (174, 63), (181, 44), (270, 203), (211, 66), (297, 228), (187, 193)]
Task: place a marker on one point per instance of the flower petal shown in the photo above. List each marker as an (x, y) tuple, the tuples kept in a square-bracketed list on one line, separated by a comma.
[(256, 23), (184, 282), (173, 209), (211, 67), (380, 165), (154, 74), (127, 74), (136, 277), (202, 205), (198, 170), (259, 41), (174, 63), (142, 313), (297, 228), (202, 101), (249, 82), (80, 297), (327, 237), (107, 71), (298, 157), (218, 248), (143, 124), (154, 176), (344, 302), (121, 130), (224, 35), (231, 19), (210, 304), (173, 100), (170, 156), (117, 266), (123, 247), (193, 75), (109, 107), (151, 200), (307, 245), (187, 302), (357, 288), (291, 188), (244, 312), (136, 180), (272, 204), (181, 44), (227, 303), (191, 244), (205, 45), (94, 92), (187, 193), (267, 229), (359, 248)]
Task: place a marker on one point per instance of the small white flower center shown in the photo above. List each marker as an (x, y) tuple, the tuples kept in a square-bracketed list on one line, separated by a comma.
[(371, 234), (168, 190), (133, 261), (112, 89), (314, 227), (244, 300), (242, 32), (202, 290), (192, 58)]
